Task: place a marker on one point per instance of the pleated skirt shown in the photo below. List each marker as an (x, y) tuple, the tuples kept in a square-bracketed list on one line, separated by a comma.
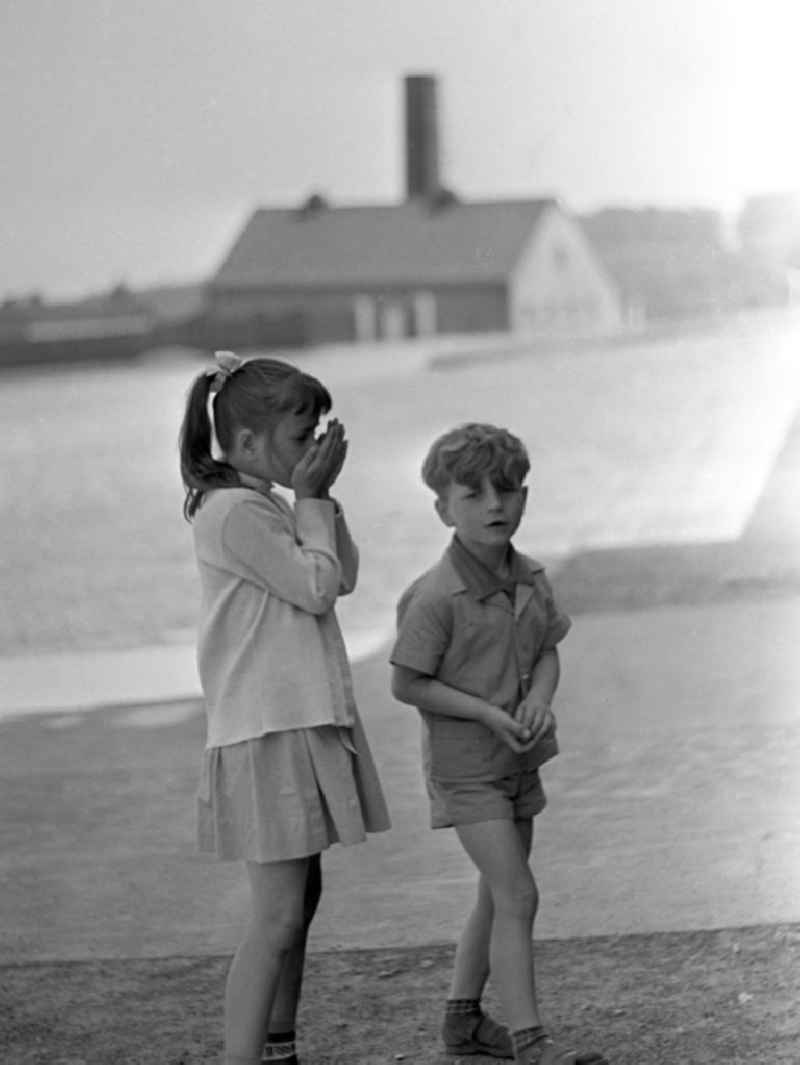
[(289, 794)]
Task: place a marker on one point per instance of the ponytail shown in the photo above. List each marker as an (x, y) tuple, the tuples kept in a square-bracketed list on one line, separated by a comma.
[(252, 393), (200, 471)]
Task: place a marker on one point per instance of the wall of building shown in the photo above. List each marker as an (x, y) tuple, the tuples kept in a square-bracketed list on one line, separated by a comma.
[(243, 303), (364, 314), (560, 285), (472, 309), (251, 318), (427, 311)]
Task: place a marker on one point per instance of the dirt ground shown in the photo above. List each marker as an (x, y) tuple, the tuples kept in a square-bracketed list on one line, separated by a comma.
[(700, 998)]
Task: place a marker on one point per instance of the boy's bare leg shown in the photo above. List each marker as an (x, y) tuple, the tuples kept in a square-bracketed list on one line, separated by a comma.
[(471, 967), (499, 849)]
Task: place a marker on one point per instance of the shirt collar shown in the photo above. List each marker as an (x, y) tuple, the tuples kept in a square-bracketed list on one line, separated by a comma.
[(479, 580), (246, 480)]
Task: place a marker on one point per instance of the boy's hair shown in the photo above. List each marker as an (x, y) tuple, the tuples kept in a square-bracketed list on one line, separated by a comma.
[(466, 454), (255, 396)]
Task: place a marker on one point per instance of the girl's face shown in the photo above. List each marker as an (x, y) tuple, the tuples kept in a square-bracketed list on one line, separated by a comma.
[(280, 450)]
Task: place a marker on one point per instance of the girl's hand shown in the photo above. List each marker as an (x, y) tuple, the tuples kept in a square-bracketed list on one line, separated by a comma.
[(335, 439), (513, 733), (309, 477), (318, 468)]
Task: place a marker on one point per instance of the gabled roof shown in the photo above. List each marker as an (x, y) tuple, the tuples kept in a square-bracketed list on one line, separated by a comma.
[(405, 243)]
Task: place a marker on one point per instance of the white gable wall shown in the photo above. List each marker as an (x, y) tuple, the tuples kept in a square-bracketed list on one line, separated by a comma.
[(559, 285)]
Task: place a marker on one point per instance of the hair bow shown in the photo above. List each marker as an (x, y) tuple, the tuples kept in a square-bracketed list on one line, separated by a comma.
[(227, 363)]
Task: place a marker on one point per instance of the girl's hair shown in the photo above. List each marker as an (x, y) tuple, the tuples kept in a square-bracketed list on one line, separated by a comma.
[(466, 454), (255, 396)]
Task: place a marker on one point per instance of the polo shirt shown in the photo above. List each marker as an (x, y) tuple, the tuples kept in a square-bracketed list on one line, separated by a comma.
[(481, 635)]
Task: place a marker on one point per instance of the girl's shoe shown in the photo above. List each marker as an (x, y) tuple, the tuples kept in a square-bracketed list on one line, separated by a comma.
[(476, 1033), (545, 1052)]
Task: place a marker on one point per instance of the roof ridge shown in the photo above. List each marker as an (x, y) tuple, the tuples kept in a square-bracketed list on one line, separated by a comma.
[(340, 208)]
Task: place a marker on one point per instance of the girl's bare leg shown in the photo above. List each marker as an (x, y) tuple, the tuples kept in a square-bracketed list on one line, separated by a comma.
[(276, 925), (287, 997), (500, 850)]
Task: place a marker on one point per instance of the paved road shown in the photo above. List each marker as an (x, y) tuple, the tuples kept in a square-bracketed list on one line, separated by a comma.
[(673, 806)]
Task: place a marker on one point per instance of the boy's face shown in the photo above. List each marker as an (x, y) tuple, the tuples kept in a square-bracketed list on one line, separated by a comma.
[(483, 516)]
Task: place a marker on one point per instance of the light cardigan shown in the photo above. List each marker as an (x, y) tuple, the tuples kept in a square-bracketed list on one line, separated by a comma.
[(270, 653)]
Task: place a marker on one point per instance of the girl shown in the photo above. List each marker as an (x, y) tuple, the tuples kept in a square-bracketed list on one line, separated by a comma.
[(287, 767)]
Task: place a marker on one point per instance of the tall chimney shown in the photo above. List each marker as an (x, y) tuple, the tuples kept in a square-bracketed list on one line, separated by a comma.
[(422, 136)]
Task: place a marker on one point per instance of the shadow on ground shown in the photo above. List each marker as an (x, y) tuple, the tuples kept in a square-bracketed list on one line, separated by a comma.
[(764, 561)]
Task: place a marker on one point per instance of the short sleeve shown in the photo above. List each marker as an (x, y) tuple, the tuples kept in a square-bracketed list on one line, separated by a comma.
[(557, 623), (424, 630)]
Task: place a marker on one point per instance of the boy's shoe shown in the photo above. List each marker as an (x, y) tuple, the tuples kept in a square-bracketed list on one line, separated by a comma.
[(476, 1033)]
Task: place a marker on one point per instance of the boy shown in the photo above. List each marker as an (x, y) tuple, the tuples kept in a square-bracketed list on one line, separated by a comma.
[(476, 654)]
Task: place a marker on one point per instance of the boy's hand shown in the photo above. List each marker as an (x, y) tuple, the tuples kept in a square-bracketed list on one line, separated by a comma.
[(514, 733), (536, 718)]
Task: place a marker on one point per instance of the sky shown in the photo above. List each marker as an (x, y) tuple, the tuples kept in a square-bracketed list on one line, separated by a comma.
[(139, 136)]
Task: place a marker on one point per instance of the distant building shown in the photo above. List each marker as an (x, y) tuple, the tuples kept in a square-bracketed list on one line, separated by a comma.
[(178, 312), (666, 262), (671, 263), (769, 229), (115, 325), (418, 268), (317, 273), (769, 233), (432, 264)]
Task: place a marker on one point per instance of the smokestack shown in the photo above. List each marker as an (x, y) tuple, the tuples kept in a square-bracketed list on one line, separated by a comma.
[(422, 136)]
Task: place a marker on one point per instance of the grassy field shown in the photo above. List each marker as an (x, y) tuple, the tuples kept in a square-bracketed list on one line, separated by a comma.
[(660, 441)]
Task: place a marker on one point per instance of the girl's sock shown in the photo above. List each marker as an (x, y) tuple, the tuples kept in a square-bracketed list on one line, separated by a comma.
[(280, 1048), (458, 1007)]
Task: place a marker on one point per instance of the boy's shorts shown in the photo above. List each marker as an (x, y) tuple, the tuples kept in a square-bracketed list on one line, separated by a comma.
[(458, 802)]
